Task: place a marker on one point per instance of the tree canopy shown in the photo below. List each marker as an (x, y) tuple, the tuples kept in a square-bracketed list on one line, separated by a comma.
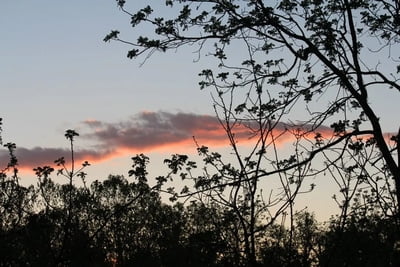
[(300, 68), (302, 71)]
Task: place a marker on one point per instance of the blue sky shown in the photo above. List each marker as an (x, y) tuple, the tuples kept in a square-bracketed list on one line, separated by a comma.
[(57, 71), (57, 74)]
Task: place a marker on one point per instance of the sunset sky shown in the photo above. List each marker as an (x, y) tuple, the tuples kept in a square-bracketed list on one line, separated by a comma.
[(58, 74)]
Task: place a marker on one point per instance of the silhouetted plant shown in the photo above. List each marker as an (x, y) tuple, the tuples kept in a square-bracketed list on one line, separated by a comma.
[(293, 54)]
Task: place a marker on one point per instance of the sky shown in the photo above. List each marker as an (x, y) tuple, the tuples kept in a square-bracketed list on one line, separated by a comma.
[(58, 74)]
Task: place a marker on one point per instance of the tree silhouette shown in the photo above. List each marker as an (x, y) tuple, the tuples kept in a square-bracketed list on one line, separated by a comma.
[(123, 222), (321, 57), (303, 71)]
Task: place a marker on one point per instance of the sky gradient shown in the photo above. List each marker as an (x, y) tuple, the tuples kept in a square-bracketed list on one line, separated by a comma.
[(58, 74)]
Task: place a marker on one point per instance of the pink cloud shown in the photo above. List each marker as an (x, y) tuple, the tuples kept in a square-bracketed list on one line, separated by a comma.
[(142, 133)]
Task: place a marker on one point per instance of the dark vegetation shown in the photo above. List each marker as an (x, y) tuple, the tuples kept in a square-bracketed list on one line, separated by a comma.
[(323, 58), (123, 222)]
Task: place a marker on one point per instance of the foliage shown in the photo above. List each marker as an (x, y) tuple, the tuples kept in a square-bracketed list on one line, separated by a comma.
[(320, 56), (323, 57), (121, 222)]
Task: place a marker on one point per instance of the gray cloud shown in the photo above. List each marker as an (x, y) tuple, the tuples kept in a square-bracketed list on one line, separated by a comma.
[(147, 130), (143, 132)]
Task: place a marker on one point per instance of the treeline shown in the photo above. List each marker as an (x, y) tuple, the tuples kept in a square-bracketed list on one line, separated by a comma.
[(124, 222)]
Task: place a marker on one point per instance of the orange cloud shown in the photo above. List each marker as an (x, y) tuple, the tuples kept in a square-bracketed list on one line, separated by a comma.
[(148, 132)]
